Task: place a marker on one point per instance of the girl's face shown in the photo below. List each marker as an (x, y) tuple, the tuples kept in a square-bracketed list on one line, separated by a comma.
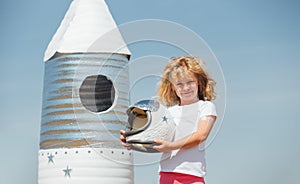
[(186, 89)]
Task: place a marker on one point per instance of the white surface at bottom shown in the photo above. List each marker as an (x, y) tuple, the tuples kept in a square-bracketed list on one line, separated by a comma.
[(85, 165)]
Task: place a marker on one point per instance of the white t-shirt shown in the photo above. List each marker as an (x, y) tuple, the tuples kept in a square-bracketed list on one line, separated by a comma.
[(189, 161)]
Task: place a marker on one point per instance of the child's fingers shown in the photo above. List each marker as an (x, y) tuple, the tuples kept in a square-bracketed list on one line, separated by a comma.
[(157, 145), (126, 146), (122, 132), (122, 138), (158, 141)]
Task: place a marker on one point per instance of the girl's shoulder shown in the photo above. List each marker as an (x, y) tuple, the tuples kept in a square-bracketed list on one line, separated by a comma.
[(205, 103), (207, 108)]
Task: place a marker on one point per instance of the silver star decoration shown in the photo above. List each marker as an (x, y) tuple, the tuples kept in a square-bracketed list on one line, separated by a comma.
[(67, 171), (164, 119), (50, 158)]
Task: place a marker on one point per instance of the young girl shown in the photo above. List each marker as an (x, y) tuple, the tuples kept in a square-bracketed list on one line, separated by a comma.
[(187, 90)]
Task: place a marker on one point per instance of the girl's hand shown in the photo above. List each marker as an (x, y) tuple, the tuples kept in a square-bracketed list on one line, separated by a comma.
[(123, 139), (163, 146)]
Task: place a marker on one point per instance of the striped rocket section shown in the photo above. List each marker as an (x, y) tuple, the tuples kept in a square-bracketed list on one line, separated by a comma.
[(73, 84)]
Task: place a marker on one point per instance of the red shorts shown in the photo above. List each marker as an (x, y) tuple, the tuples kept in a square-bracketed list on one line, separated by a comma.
[(179, 178)]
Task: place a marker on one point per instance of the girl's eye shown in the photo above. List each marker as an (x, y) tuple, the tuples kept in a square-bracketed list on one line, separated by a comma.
[(179, 85), (190, 82)]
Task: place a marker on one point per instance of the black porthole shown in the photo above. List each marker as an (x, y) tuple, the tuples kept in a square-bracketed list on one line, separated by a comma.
[(97, 93)]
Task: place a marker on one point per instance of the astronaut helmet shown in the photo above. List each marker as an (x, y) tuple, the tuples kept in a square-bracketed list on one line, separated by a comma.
[(148, 120)]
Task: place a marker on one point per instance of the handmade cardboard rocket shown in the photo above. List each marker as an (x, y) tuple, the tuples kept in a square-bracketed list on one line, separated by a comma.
[(85, 100)]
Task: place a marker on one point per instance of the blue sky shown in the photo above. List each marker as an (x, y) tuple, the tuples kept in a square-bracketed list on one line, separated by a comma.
[(256, 42)]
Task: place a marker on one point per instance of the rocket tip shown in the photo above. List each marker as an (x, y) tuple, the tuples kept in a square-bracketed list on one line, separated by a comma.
[(88, 26)]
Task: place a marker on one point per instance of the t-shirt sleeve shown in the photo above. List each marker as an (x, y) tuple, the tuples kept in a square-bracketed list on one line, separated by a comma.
[(208, 108)]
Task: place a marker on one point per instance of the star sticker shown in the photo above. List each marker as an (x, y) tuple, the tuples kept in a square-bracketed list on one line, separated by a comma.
[(67, 171), (50, 158), (164, 119)]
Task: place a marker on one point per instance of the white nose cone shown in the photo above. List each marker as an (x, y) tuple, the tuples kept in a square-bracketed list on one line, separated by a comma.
[(85, 22)]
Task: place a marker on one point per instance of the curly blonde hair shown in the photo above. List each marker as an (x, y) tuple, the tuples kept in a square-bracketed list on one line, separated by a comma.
[(177, 68)]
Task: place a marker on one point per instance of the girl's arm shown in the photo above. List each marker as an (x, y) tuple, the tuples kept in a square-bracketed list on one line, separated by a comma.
[(204, 127)]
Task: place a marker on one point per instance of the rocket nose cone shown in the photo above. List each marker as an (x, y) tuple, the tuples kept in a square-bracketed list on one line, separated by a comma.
[(83, 25)]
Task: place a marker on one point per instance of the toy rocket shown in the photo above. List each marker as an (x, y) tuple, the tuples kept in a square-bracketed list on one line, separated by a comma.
[(85, 100)]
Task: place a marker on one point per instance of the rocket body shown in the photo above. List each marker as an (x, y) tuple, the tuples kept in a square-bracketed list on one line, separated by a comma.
[(85, 100)]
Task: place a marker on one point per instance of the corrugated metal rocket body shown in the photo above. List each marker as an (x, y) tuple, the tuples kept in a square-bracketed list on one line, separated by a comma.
[(85, 99)]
